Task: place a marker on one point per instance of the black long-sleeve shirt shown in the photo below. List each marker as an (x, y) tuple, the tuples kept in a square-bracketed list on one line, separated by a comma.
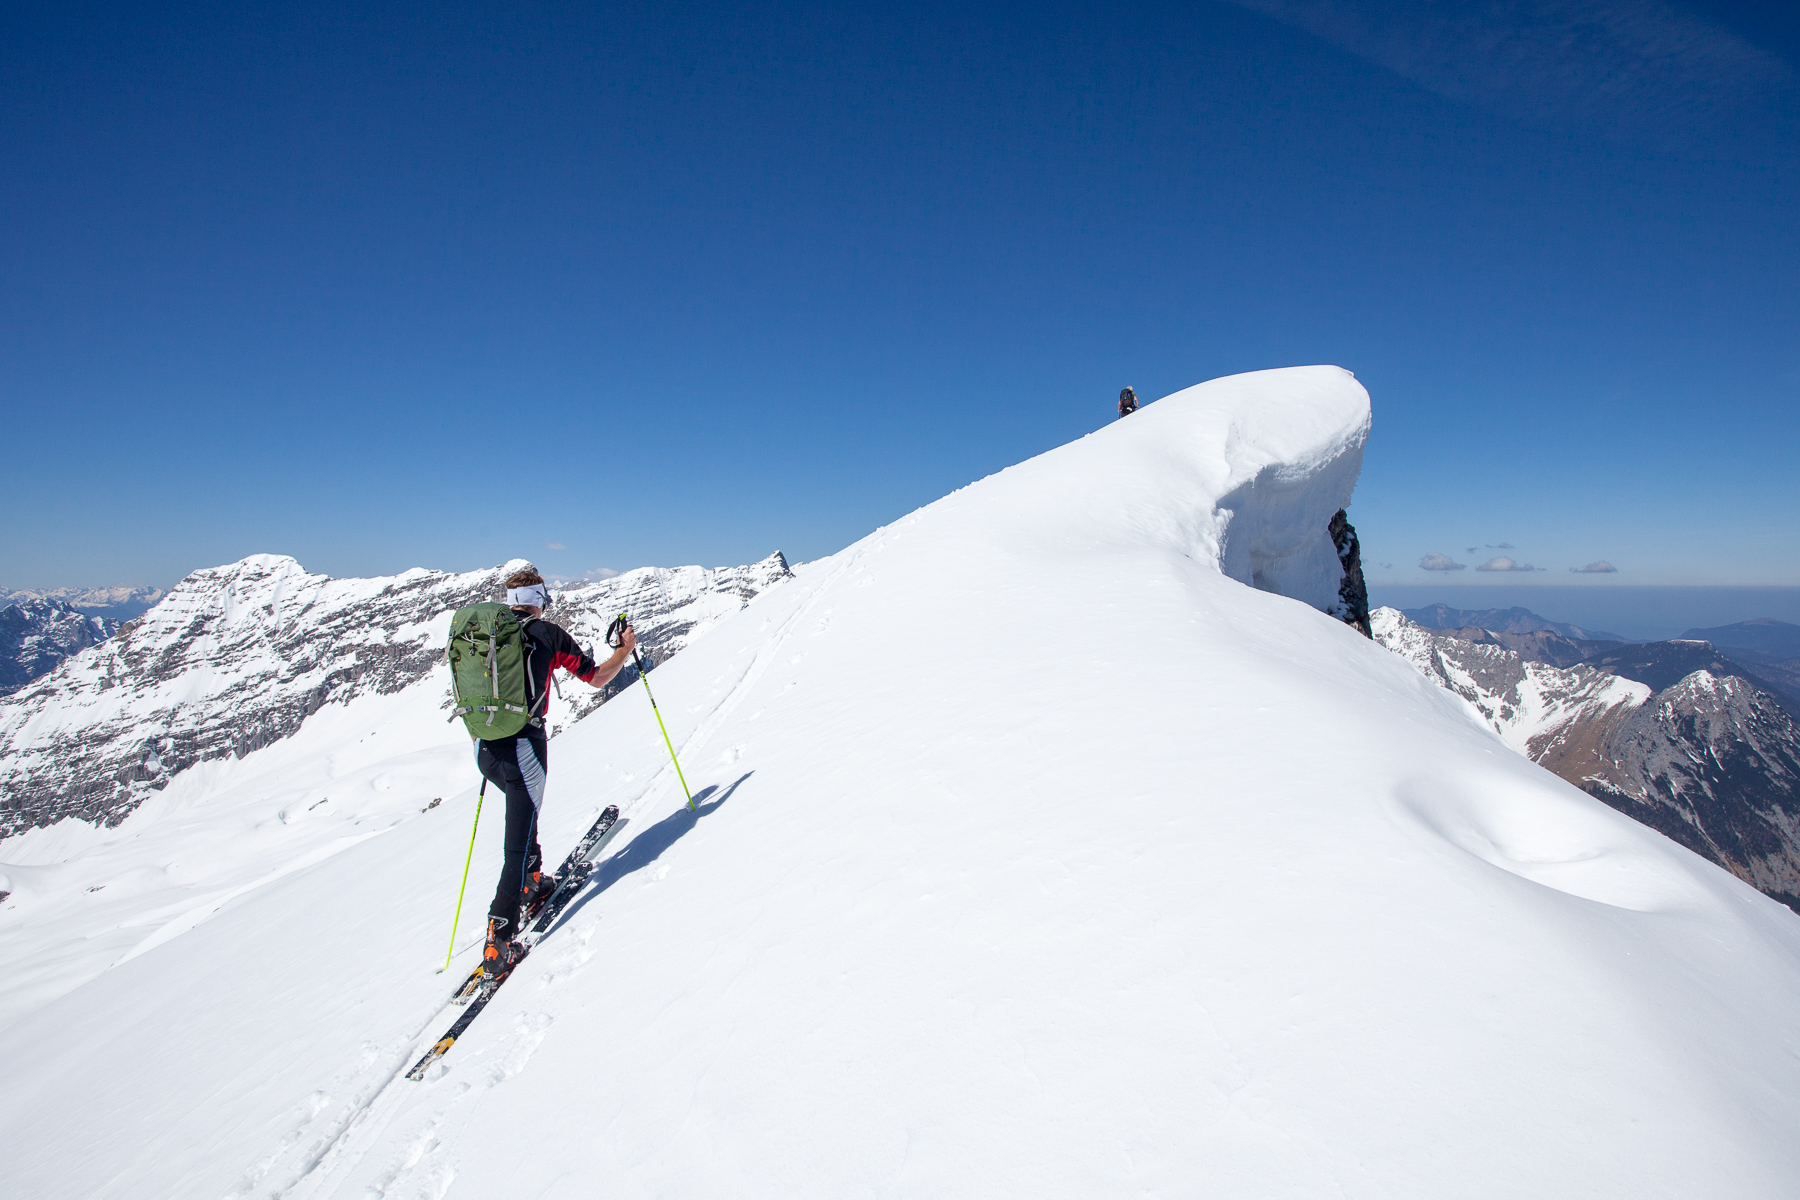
[(547, 647)]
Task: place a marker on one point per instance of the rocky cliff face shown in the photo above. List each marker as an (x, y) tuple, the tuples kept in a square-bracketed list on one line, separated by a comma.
[(37, 634), (1715, 763), (237, 657), (1708, 759)]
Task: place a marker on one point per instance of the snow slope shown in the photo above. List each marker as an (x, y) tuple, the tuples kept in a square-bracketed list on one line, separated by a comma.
[(1037, 856), (344, 681)]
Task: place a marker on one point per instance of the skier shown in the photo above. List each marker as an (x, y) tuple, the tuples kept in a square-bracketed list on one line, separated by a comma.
[(1127, 402), (517, 764)]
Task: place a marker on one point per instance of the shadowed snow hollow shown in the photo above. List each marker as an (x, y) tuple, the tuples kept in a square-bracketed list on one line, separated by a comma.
[(1037, 856)]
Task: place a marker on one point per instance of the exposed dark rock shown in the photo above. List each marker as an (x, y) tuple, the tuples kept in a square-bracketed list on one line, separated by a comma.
[(1353, 593), (1715, 764)]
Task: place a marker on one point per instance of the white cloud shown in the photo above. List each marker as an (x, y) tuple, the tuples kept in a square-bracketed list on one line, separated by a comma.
[(1596, 568), (1504, 563), (554, 546), (1439, 562)]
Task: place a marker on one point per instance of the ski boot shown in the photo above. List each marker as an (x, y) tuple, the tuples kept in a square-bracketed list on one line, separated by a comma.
[(500, 955), (539, 887)]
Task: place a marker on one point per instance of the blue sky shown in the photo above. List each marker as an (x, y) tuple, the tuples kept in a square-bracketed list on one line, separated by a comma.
[(383, 286)]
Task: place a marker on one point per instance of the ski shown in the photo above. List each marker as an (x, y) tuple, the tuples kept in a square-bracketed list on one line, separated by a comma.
[(575, 871), (485, 989), (592, 838)]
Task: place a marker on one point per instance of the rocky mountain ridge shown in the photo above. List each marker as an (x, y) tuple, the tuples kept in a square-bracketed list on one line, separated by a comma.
[(1706, 757), (1769, 647), (1661, 665), (239, 656), (36, 634)]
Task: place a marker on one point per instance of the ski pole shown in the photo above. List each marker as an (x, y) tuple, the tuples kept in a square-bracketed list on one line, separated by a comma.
[(620, 626), (456, 922)]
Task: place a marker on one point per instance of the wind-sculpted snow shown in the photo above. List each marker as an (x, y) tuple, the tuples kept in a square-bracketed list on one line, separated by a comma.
[(238, 657), (1035, 855), (1710, 760)]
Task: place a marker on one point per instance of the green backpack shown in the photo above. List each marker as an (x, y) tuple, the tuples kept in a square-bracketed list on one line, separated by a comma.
[(488, 678)]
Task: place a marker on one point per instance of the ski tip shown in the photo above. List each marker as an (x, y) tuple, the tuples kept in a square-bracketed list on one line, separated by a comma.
[(431, 1056)]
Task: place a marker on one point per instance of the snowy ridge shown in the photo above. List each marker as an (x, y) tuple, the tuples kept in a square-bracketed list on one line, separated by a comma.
[(1238, 905)]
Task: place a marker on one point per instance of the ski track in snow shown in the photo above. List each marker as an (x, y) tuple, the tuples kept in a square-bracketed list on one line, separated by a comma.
[(338, 1151)]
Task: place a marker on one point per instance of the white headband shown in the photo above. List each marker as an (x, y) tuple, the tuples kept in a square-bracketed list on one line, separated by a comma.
[(535, 594)]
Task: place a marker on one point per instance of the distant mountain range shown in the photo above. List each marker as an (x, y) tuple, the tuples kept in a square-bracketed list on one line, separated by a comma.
[(1500, 620), (1772, 647), (1675, 734), (1765, 635), (120, 603)]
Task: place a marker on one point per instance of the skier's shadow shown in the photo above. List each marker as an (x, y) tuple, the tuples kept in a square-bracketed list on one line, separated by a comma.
[(648, 846)]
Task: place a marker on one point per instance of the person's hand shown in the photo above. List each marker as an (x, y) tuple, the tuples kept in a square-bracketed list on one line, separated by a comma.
[(628, 640)]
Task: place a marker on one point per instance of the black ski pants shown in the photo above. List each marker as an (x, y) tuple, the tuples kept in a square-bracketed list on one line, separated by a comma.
[(518, 766)]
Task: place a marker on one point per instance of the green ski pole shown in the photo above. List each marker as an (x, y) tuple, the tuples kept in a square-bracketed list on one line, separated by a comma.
[(456, 922), (620, 626)]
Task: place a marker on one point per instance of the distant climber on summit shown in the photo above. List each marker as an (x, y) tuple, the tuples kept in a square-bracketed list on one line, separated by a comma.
[(1127, 402), (517, 763)]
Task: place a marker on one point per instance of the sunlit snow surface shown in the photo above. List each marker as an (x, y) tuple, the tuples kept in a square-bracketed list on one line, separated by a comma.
[(1040, 857)]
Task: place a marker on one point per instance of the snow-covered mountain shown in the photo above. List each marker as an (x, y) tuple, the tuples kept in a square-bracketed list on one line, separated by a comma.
[(1051, 841), (36, 635), (237, 657), (1667, 732)]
